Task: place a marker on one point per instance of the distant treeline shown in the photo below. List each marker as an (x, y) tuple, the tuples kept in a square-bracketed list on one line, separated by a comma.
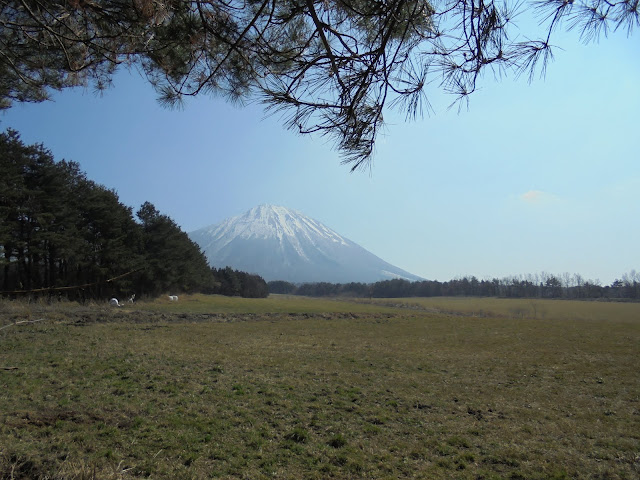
[(64, 235), (236, 283), (529, 286)]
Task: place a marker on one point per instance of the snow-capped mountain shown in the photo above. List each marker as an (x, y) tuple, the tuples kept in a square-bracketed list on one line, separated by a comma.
[(282, 244)]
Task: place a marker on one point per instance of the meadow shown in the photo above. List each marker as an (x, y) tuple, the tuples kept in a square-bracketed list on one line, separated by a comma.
[(293, 388)]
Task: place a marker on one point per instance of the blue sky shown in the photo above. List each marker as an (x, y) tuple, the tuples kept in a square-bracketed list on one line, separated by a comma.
[(531, 178)]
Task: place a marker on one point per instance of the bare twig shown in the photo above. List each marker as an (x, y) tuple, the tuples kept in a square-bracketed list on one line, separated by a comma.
[(22, 322), (73, 287)]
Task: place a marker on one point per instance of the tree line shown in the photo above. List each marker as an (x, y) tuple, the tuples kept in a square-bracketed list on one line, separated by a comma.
[(65, 235), (542, 285)]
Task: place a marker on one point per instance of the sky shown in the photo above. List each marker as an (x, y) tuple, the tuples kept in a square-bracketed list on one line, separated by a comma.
[(531, 178)]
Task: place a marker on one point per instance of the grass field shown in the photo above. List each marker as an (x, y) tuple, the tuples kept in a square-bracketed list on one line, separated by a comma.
[(517, 308), (211, 387)]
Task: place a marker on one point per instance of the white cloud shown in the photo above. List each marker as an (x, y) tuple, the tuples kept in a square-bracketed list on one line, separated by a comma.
[(538, 197)]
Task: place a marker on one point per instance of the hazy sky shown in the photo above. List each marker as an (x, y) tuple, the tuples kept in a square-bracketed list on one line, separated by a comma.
[(532, 178)]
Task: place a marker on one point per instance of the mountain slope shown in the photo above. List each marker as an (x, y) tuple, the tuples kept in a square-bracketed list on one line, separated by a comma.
[(282, 244)]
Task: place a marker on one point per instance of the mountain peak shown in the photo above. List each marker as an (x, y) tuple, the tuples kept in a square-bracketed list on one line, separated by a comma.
[(268, 209), (272, 221), (280, 243)]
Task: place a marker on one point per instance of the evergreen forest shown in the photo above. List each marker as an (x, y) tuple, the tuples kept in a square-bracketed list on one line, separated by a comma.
[(542, 285), (63, 235)]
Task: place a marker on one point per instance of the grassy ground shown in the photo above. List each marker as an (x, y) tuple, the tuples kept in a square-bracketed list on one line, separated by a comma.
[(299, 388), (204, 304), (516, 308)]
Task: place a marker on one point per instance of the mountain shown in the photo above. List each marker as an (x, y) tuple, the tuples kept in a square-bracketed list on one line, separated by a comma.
[(282, 244)]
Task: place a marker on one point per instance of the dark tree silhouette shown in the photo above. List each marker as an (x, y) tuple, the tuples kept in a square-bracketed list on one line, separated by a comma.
[(62, 234)]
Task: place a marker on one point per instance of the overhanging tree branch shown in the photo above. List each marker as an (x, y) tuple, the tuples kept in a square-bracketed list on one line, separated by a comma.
[(330, 66)]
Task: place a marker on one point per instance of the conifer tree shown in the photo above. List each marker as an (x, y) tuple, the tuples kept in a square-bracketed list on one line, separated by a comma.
[(330, 66), (173, 262)]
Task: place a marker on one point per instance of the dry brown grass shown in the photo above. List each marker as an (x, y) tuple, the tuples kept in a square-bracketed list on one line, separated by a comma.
[(364, 395), (533, 308)]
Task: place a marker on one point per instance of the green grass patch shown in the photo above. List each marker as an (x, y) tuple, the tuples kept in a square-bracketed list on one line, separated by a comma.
[(283, 304)]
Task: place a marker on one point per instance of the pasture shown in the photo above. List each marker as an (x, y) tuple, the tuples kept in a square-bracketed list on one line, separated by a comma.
[(291, 388)]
